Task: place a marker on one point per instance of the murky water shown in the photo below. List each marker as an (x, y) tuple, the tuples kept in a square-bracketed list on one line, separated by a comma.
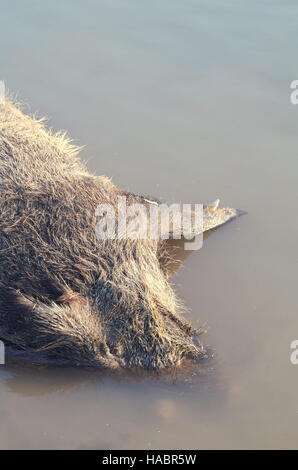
[(189, 101)]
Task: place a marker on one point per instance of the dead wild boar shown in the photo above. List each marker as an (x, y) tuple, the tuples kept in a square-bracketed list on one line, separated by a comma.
[(66, 296)]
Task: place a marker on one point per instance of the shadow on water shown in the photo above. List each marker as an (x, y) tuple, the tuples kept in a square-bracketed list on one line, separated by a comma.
[(34, 380), (176, 248)]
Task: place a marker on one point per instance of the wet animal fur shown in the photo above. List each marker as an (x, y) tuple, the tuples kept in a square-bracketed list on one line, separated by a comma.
[(64, 295)]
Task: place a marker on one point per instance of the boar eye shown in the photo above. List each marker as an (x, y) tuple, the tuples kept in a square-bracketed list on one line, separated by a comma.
[(70, 297)]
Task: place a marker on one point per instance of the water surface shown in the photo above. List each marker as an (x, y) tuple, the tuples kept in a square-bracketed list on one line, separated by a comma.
[(187, 101)]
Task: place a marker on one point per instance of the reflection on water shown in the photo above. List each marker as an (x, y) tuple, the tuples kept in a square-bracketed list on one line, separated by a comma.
[(35, 380), (188, 101), (95, 405)]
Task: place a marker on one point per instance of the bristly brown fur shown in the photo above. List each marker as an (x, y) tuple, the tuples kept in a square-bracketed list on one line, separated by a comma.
[(64, 295)]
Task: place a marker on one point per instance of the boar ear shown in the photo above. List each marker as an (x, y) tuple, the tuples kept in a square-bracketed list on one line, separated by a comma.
[(15, 316), (68, 333), (48, 290), (43, 288), (23, 320), (13, 305)]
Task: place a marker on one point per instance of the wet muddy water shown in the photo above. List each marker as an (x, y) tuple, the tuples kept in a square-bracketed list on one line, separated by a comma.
[(187, 101)]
